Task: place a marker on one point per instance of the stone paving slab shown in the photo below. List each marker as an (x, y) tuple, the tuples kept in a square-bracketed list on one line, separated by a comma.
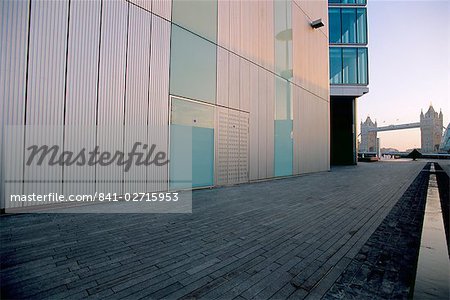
[(276, 239)]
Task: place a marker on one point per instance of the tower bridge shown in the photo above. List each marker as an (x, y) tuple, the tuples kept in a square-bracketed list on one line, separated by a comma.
[(431, 129)]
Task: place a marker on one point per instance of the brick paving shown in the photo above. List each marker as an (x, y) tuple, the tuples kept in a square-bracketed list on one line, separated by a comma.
[(289, 238), (385, 266)]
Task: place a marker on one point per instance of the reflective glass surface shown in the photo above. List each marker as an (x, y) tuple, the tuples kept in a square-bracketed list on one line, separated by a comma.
[(335, 65), (347, 25), (192, 66), (362, 66), (349, 73)]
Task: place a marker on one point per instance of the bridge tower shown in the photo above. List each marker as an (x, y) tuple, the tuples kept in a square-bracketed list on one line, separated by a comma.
[(368, 136), (431, 125)]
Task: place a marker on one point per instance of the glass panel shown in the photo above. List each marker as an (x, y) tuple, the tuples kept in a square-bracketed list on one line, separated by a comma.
[(364, 2), (335, 25), (192, 66), (361, 25), (283, 38), (362, 66), (335, 65), (197, 16), (191, 144), (348, 25), (348, 1), (334, 1), (283, 151), (349, 66)]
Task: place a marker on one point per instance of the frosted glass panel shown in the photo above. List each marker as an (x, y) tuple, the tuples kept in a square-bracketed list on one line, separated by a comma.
[(192, 66), (197, 16)]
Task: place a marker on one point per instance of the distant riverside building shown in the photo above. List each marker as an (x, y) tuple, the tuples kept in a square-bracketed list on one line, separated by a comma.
[(348, 74), (242, 85)]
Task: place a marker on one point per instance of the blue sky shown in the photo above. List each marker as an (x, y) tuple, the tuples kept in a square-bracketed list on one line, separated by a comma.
[(409, 61)]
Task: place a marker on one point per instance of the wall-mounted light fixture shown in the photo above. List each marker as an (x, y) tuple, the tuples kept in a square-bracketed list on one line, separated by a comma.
[(317, 24)]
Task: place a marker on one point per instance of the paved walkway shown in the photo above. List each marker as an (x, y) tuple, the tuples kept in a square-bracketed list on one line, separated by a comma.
[(275, 239)]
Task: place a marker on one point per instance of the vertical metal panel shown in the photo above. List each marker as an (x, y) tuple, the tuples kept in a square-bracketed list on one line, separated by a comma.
[(162, 8), (221, 160), (243, 146), (234, 81), (45, 99), (222, 76), (235, 26), (112, 91), (270, 35), (270, 124), (296, 129), (136, 95), (145, 4), (158, 110), (223, 23), (13, 55), (81, 93), (244, 90), (254, 107), (246, 28), (262, 123)]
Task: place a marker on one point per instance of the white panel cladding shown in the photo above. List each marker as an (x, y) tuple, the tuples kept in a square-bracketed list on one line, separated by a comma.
[(13, 59), (45, 88), (158, 108), (162, 8), (113, 49), (244, 91), (270, 130), (231, 146), (262, 123), (296, 129), (243, 147), (221, 149), (234, 81), (222, 76), (223, 23), (311, 144), (136, 95), (81, 92), (254, 107), (145, 4), (235, 26)]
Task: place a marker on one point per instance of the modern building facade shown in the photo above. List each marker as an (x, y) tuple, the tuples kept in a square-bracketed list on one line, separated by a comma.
[(242, 85), (348, 74)]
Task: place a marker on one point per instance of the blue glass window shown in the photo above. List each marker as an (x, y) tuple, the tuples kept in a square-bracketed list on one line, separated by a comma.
[(336, 65), (347, 25), (349, 70), (335, 25), (362, 66)]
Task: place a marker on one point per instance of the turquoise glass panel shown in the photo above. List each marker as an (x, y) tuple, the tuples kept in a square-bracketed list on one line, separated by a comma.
[(335, 25), (198, 16), (191, 145), (180, 164), (361, 24), (202, 157), (193, 63), (283, 148), (362, 66), (348, 25), (335, 65), (349, 70)]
